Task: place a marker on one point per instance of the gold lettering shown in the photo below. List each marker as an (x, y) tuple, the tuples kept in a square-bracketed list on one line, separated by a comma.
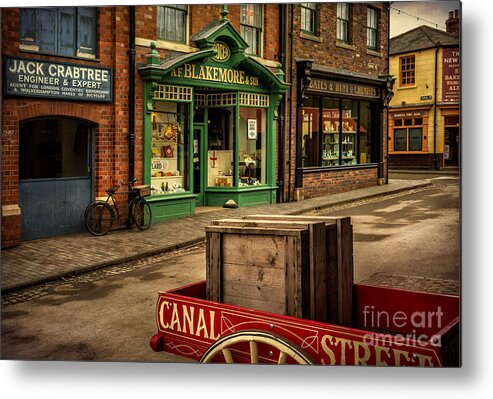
[(327, 350), (202, 72), (343, 343), (222, 75), (201, 325), (161, 314), (361, 359), (378, 352), (212, 315), (242, 77), (194, 75), (423, 359), (216, 73), (188, 71), (208, 70), (175, 320), (236, 78), (188, 319), (229, 75), (397, 356), (173, 73)]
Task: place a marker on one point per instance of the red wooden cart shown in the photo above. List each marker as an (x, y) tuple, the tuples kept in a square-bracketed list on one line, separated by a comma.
[(391, 327)]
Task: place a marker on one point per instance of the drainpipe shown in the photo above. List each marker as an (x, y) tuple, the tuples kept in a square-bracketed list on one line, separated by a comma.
[(435, 159), (131, 97), (291, 28), (282, 107)]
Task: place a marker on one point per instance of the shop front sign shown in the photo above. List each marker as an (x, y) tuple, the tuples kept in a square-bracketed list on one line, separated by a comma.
[(39, 78), (342, 88), (451, 75), (214, 74)]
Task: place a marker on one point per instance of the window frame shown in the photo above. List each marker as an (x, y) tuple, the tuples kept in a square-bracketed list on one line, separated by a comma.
[(344, 23), (256, 29), (408, 123), (161, 26), (34, 44), (372, 29), (407, 77), (313, 10)]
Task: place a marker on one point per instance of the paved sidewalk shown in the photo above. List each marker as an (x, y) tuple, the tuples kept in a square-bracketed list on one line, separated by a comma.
[(38, 261)]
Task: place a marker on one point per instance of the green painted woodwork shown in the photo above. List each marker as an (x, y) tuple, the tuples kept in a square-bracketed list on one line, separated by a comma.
[(201, 70)]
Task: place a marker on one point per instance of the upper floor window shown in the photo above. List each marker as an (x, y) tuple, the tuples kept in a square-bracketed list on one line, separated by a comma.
[(407, 70), (343, 22), (251, 22), (309, 18), (172, 22), (65, 31), (372, 29)]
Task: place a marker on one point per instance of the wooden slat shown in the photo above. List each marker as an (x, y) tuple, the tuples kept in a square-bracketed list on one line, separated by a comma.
[(263, 251), (345, 271), (213, 267), (318, 272)]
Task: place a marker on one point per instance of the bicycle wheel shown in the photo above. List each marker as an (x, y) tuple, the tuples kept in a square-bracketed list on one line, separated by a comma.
[(141, 213), (99, 218)]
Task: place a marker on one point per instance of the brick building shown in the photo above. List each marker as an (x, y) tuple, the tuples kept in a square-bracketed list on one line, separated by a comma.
[(259, 103), (338, 69)]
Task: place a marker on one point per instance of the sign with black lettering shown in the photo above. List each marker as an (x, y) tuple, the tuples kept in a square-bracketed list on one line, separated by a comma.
[(39, 78)]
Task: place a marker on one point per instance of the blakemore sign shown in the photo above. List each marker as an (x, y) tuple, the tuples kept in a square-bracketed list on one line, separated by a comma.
[(38, 78)]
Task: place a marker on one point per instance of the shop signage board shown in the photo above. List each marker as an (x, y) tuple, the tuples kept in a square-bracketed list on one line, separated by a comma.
[(214, 74), (40, 78), (348, 89), (451, 75)]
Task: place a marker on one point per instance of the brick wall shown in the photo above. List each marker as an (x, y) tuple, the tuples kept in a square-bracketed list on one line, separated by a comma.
[(110, 121), (325, 51)]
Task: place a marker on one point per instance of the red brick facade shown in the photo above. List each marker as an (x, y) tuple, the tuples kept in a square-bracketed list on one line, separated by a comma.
[(111, 120)]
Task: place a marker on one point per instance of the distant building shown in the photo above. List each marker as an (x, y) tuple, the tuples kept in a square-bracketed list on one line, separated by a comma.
[(424, 125)]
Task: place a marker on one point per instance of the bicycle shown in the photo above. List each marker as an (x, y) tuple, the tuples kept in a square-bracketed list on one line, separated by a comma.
[(99, 216)]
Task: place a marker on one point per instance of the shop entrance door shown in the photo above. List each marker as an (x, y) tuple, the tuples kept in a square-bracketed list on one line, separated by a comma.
[(451, 149), (198, 164), (55, 179)]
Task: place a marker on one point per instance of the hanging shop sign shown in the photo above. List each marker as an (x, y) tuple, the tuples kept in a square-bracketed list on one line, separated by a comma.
[(342, 88), (214, 74), (38, 78), (451, 75)]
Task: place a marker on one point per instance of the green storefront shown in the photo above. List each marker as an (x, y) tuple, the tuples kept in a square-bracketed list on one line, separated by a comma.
[(209, 126)]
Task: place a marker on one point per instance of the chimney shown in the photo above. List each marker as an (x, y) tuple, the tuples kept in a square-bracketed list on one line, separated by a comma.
[(453, 23)]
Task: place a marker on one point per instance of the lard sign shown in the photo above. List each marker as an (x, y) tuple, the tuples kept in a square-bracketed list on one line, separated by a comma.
[(38, 78)]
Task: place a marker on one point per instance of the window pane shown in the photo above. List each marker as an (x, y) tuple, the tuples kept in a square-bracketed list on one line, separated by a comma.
[(169, 149), (47, 29), (415, 139), (331, 145), (28, 25), (252, 146), (172, 23), (220, 150), (400, 139), (365, 132), (349, 130), (87, 30), (310, 135), (66, 30)]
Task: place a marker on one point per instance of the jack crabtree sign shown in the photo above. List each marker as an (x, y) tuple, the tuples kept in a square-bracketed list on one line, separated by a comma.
[(39, 78)]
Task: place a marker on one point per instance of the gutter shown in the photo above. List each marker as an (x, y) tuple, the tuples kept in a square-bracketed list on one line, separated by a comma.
[(282, 107), (435, 160), (131, 97)]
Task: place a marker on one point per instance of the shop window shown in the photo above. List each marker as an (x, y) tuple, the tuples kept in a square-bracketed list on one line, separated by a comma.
[(310, 115), (251, 22), (169, 148), (252, 146), (344, 23), (64, 31), (372, 29), (408, 134), (309, 18), (172, 22), (347, 132), (407, 70), (220, 146)]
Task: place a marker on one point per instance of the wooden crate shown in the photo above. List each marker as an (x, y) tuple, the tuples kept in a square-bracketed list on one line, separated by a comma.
[(279, 265), (339, 263)]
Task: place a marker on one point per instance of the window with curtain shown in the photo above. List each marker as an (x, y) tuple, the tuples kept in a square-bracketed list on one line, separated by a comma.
[(372, 29), (251, 22), (172, 22), (309, 18), (343, 23), (64, 31)]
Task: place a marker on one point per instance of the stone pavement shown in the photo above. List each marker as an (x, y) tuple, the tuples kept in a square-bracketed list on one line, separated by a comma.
[(38, 261)]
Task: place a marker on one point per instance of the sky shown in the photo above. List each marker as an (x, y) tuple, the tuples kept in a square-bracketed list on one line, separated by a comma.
[(407, 15)]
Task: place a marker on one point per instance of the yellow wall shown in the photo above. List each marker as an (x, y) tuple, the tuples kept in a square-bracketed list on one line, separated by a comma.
[(409, 97)]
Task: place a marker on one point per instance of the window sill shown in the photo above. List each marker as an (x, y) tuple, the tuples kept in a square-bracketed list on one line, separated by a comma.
[(310, 36), (314, 169), (408, 152), (374, 53), (166, 45), (345, 46), (407, 87), (31, 50)]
